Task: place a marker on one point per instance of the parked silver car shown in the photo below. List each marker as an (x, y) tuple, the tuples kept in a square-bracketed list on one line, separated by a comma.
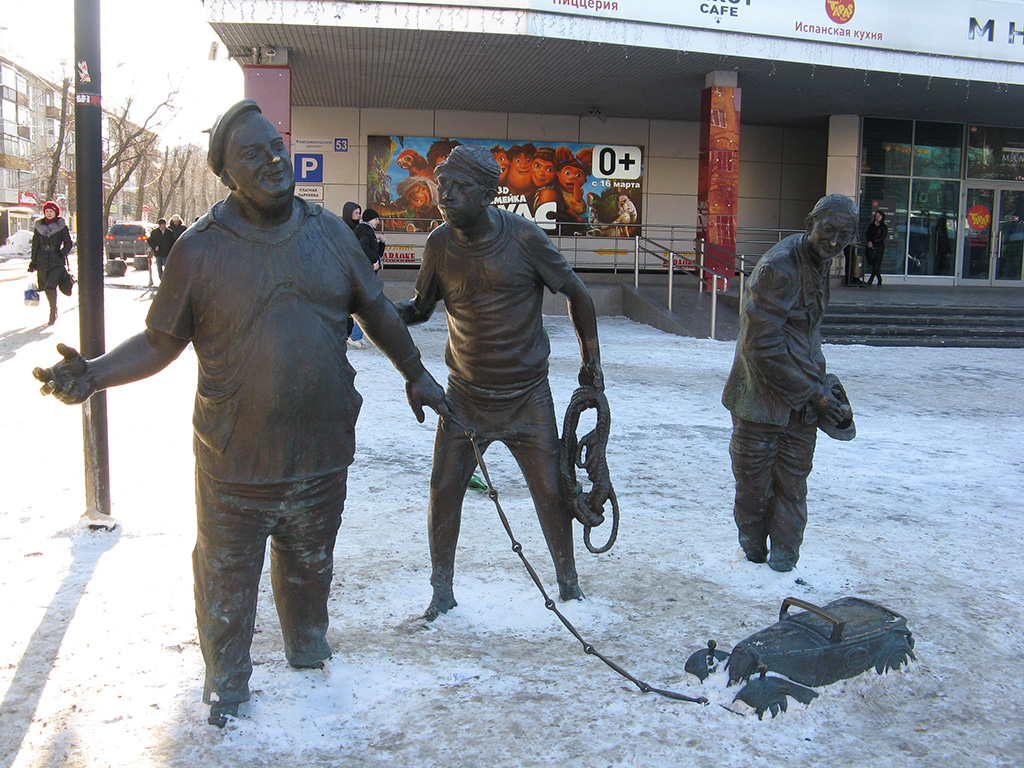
[(127, 240)]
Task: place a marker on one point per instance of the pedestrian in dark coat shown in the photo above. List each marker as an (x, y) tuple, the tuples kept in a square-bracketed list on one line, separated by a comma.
[(372, 243), (160, 240), (176, 228), (878, 231), (351, 214), (51, 244)]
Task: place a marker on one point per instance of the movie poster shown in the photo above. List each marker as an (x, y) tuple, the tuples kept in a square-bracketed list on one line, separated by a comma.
[(567, 189)]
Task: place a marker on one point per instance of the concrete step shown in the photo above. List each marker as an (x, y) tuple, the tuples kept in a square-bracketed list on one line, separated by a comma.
[(917, 329), (914, 310), (957, 318), (918, 325), (925, 341)]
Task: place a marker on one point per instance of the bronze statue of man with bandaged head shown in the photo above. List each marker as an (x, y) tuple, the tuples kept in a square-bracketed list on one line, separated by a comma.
[(491, 267)]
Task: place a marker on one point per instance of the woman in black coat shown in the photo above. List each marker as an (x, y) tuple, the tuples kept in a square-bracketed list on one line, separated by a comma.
[(877, 232), (51, 244)]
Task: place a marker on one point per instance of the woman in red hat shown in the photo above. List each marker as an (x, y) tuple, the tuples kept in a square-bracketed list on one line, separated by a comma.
[(51, 244)]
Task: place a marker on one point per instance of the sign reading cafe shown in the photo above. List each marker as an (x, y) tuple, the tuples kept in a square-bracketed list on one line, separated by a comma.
[(566, 188)]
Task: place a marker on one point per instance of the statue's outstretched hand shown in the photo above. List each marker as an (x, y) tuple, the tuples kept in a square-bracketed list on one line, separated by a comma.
[(69, 380), (426, 391)]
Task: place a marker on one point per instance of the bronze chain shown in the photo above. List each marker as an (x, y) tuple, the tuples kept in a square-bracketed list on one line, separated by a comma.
[(548, 602)]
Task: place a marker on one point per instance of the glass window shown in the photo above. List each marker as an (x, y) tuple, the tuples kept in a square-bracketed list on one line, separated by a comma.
[(886, 146), (995, 153), (938, 148), (934, 214), (889, 196)]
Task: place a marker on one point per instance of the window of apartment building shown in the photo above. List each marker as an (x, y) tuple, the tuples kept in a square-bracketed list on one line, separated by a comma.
[(911, 171)]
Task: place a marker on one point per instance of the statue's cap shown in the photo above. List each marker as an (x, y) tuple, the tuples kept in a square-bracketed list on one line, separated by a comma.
[(221, 128)]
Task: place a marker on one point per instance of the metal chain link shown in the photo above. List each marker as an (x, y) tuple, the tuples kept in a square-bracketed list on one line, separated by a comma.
[(589, 649)]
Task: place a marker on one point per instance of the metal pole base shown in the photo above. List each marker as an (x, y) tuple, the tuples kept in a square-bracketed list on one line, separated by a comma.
[(95, 520)]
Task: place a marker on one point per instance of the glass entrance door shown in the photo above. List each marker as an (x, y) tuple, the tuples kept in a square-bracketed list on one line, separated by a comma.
[(1009, 237), (993, 236)]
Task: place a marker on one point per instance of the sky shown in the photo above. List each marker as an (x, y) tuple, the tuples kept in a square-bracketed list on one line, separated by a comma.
[(148, 50), (923, 512)]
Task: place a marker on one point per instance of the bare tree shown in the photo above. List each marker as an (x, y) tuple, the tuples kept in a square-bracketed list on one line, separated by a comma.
[(57, 153), (199, 188), (170, 182), (128, 146)]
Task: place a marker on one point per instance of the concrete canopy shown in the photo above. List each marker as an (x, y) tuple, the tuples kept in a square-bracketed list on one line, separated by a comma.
[(447, 59)]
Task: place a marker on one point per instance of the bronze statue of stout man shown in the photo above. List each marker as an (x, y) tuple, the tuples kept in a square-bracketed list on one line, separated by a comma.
[(778, 390), (262, 286), (490, 267)]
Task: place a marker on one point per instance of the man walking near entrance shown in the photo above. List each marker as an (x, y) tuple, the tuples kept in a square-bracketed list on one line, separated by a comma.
[(777, 389)]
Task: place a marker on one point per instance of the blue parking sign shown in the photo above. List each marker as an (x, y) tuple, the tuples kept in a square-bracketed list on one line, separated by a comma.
[(309, 169)]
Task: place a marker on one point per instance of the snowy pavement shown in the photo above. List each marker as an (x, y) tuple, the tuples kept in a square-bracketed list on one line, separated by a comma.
[(923, 513)]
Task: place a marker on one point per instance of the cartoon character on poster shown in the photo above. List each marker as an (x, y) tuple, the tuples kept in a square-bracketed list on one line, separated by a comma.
[(611, 213), (554, 186)]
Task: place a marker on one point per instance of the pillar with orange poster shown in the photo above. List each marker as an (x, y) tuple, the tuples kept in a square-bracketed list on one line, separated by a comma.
[(718, 173)]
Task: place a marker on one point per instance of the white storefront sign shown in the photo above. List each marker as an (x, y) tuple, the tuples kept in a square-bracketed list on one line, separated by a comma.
[(984, 29)]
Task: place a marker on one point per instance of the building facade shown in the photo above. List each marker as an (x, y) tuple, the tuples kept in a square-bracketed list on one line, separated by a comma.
[(30, 109), (743, 112)]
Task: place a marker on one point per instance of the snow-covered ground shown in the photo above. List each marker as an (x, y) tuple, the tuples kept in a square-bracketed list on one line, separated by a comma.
[(923, 512)]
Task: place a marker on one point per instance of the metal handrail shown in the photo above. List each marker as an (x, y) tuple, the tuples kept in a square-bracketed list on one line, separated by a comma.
[(653, 248), (697, 268), (605, 253), (705, 257)]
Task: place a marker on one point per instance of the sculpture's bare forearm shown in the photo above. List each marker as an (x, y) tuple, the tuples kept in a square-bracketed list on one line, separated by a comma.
[(584, 320), (387, 330), (136, 358), (74, 379)]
